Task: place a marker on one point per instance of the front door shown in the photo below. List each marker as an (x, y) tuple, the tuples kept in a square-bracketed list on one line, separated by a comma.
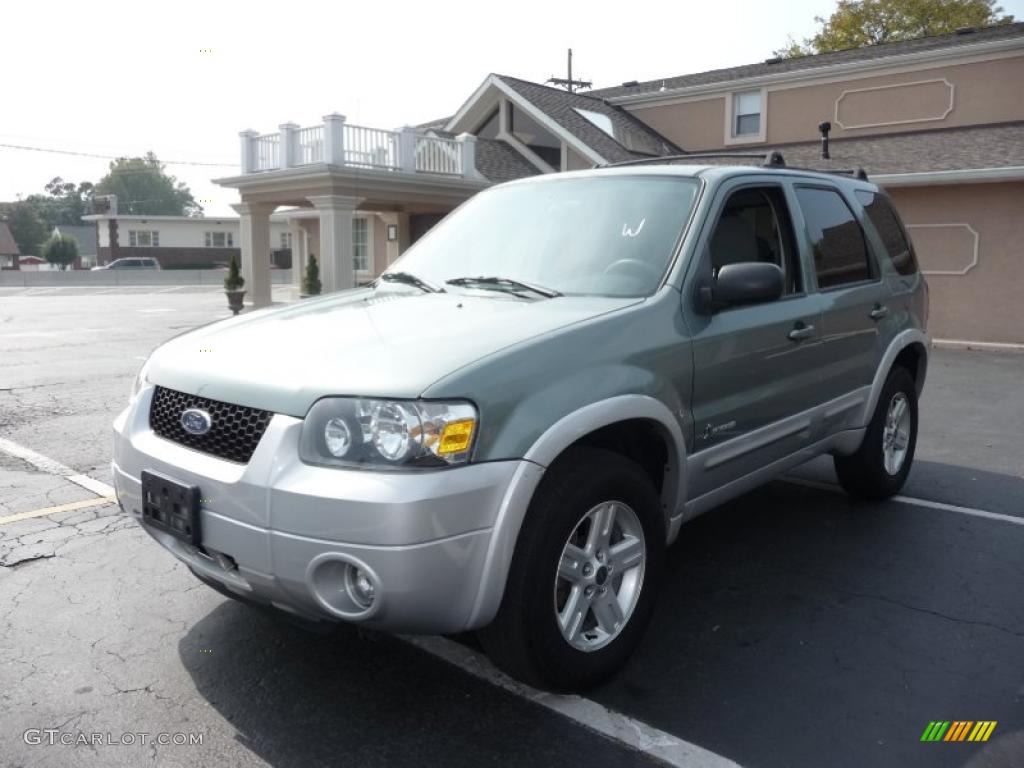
[(755, 367)]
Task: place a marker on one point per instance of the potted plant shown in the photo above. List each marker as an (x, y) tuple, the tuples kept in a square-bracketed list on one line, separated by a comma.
[(233, 286), (311, 282)]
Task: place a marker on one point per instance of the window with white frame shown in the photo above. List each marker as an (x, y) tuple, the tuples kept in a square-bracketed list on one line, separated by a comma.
[(286, 241), (746, 113), (143, 238), (220, 240), (360, 246)]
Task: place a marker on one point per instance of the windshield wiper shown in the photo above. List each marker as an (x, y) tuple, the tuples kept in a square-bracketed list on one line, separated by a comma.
[(407, 278), (504, 284)]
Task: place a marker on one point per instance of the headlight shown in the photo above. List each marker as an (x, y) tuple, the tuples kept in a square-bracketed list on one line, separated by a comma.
[(396, 434), (140, 379)]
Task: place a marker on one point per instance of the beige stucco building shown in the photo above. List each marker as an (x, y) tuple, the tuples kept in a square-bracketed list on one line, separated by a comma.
[(939, 122)]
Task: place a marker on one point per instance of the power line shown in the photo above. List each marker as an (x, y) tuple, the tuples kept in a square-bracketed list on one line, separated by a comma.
[(112, 157)]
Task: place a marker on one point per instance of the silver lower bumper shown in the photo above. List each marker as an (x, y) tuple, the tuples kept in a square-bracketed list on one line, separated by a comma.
[(281, 532)]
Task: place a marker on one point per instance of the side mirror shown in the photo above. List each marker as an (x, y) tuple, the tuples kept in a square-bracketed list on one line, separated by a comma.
[(747, 283)]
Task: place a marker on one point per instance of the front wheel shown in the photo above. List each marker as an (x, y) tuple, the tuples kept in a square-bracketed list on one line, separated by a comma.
[(584, 574), (880, 466)]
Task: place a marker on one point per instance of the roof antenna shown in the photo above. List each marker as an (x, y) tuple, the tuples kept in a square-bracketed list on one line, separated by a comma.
[(825, 128), (568, 83)]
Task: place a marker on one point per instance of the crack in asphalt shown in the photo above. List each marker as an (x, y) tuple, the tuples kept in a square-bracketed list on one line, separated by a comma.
[(25, 560), (930, 612)]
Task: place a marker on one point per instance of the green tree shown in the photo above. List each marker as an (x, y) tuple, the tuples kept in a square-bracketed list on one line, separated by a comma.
[(64, 202), (856, 23), (143, 187), (27, 227), (311, 282), (61, 250), (234, 281)]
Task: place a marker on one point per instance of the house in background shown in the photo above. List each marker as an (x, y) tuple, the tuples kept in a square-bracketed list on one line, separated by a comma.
[(9, 252), (938, 122), (84, 236)]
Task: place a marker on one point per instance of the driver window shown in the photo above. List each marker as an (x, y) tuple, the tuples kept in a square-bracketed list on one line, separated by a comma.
[(754, 226)]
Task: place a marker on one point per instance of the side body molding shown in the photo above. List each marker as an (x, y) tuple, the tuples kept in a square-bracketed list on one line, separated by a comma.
[(544, 451)]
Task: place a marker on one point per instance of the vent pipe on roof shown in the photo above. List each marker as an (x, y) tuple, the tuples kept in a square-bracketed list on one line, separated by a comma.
[(825, 127)]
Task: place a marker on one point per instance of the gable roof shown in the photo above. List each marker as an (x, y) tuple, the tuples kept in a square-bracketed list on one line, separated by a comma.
[(84, 234), (499, 162), (555, 109), (8, 246), (561, 107), (817, 61)]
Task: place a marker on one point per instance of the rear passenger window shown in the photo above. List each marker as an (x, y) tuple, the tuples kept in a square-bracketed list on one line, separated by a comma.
[(840, 253), (886, 221)]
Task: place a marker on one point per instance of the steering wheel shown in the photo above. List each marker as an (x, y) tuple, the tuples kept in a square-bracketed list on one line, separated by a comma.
[(634, 268)]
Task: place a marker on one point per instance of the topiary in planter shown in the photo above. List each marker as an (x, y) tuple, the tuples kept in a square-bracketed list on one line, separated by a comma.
[(233, 286), (311, 282)]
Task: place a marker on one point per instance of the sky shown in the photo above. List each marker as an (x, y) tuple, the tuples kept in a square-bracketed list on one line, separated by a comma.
[(183, 78)]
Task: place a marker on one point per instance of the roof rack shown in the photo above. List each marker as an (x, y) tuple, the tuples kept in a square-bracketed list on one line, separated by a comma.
[(771, 159)]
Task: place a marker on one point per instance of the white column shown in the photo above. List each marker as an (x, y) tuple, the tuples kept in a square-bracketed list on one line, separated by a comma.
[(254, 230), (407, 149), (298, 252), (467, 144), (248, 141), (336, 211), (287, 149), (334, 139)]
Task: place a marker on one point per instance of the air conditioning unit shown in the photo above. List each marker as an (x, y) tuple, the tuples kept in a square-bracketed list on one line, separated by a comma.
[(105, 205)]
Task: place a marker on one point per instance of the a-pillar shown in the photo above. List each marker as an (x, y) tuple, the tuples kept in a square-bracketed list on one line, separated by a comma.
[(254, 241), (336, 252)]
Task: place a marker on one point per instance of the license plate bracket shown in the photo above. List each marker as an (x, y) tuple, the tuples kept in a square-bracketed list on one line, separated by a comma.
[(171, 507)]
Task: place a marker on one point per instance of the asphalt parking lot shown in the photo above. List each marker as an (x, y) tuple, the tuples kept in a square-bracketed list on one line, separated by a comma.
[(795, 627)]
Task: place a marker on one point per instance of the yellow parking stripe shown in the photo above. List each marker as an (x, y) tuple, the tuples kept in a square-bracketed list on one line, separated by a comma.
[(59, 508)]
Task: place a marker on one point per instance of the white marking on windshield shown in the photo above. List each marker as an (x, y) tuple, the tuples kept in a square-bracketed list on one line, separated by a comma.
[(627, 232)]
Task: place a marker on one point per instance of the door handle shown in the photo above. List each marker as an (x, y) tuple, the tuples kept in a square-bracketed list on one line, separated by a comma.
[(801, 332), (878, 312)]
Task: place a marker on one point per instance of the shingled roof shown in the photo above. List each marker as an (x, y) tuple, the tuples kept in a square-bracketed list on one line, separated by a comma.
[(8, 247), (865, 53), (948, 149), (498, 162)]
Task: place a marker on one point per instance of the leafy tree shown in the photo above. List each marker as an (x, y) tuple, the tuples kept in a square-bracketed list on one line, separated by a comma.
[(27, 227), (61, 250), (143, 187), (856, 23), (64, 203), (234, 281), (311, 282)]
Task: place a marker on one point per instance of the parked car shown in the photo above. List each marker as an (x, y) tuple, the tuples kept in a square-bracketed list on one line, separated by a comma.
[(142, 262), (507, 429)]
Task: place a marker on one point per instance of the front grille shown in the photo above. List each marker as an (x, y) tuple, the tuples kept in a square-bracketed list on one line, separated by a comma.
[(236, 429)]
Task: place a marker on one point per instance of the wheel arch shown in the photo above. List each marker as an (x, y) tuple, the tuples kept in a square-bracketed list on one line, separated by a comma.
[(595, 424), (910, 349)]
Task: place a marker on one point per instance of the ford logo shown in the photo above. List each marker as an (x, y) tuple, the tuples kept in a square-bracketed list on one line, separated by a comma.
[(195, 421)]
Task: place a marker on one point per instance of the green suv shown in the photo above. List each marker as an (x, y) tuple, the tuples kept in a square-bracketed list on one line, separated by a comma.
[(507, 429)]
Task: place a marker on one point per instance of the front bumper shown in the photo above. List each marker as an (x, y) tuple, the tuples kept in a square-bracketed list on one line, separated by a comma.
[(281, 532)]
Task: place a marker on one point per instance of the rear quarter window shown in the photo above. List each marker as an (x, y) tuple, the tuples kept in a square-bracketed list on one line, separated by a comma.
[(886, 222), (840, 251)]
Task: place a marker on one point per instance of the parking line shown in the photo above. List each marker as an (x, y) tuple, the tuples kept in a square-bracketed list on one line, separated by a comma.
[(613, 725), (59, 508), (914, 501), (55, 468)]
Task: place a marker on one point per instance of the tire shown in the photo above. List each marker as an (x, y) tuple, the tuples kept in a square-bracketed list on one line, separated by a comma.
[(865, 474), (526, 638)]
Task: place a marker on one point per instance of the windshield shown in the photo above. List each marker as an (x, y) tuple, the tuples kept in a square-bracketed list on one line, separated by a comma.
[(611, 235)]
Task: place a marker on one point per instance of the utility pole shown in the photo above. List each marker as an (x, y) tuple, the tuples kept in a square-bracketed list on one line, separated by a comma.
[(568, 83)]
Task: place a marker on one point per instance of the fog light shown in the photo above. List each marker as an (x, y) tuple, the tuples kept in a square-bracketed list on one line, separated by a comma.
[(361, 586)]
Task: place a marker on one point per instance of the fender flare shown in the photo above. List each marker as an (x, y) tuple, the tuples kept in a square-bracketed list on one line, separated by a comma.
[(542, 453), (897, 345)]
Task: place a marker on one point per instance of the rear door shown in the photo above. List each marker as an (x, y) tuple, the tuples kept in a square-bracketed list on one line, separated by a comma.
[(755, 366), (848, 280)]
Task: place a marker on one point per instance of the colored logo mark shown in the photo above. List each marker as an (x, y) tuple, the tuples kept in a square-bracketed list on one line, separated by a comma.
[(958, 730)]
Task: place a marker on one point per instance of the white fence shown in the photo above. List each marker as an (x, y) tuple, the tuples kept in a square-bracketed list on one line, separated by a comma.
[(435, 155), (309, 144), (268, 152), (371, 147)]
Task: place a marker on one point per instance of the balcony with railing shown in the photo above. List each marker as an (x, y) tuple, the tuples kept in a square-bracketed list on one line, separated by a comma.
[(338, 143)]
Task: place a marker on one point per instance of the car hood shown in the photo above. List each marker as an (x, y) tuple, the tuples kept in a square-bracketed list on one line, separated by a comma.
[(363, 342)]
